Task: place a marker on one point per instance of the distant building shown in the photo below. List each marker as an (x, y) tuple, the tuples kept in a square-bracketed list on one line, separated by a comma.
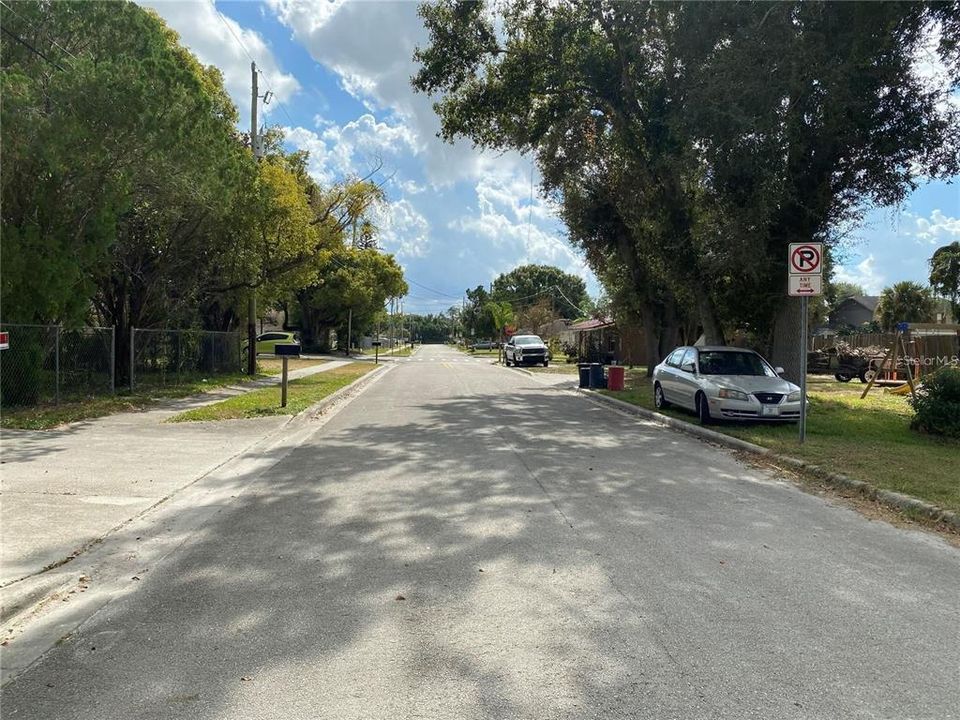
[(603, 341), (944, 312), (854, 311)]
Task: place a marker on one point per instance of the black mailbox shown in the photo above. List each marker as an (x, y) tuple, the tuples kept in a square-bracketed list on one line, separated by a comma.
[(376, 343), (290, 349)]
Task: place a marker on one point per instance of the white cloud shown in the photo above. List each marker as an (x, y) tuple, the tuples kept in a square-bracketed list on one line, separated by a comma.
[(203, 29), (355, 148), (522, 232), (938, 229), (864, 274), (370, 45), (403, 230)]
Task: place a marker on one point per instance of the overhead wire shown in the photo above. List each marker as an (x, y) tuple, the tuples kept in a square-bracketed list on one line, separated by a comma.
[(259, 69), (31, 48), (34, 27)]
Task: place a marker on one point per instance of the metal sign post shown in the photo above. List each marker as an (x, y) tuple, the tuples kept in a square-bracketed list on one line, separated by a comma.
[(285, 352), (803, 368), (804, 279)]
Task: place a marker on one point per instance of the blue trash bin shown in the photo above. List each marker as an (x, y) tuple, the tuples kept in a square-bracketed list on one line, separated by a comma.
[(597, 381), (584, 370)]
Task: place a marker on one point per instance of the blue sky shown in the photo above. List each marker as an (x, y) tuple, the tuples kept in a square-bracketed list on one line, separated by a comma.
[(455, 217)]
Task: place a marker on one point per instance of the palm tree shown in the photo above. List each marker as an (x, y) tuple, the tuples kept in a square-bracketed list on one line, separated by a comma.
[(502, 315), (905, 302)]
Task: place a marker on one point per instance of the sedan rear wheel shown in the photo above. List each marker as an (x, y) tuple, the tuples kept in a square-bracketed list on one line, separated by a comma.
[(703, 409)]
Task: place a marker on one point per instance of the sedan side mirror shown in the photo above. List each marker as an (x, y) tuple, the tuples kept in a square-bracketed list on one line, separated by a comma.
[(687, 367), (779, 370)]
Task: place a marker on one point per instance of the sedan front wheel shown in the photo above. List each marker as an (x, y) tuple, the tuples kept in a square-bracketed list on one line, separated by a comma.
[(658, 397), (703, 409)]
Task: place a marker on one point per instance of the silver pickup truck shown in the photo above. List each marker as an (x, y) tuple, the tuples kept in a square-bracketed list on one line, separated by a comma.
[(526, 350)]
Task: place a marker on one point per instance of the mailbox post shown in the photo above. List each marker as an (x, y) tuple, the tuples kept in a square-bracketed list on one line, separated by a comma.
[(285, 352), (376, 352)]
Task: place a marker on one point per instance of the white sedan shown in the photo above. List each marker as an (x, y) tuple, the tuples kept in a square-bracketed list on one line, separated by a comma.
[(725, 383)]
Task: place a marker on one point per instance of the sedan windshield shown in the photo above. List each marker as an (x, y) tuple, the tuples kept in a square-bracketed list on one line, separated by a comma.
[(719, 362), (528, 340)]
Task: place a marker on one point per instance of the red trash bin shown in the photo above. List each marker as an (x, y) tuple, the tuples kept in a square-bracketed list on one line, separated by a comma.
[(615, 377)]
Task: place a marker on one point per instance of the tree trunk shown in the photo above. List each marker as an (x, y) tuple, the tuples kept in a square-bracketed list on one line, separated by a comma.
[(651, 337), (712, 330), (670, 328), (787, 341)]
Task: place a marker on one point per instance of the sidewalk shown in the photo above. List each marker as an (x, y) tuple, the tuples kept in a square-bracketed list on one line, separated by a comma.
[(64, 489)]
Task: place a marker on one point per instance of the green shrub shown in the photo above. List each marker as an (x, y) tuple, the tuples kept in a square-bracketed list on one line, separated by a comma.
[(938, 404)]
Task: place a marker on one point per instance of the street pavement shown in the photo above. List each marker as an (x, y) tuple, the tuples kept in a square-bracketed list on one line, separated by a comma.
[(466, 541)]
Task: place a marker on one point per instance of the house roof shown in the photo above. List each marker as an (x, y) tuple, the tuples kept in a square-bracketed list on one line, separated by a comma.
[(870, 302), (592, 324)]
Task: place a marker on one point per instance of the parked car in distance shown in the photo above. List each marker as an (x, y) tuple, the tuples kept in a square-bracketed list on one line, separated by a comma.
[(483, 345), (725, 383), (526, 350), (267, 342)]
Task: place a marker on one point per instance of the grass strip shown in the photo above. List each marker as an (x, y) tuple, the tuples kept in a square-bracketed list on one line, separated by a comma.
[(301, 394), (47, 416), (274, 366), (867, 439)]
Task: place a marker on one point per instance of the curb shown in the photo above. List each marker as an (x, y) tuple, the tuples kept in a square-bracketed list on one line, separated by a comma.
[(356, 386), (23, 596), (887, 497)]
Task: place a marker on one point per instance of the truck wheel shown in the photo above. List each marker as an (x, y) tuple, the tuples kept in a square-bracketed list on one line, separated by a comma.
[(842, 377)]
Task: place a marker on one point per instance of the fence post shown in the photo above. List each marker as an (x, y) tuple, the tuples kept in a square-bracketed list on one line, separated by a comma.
[(133, 331), (57, 363), (113, 360)]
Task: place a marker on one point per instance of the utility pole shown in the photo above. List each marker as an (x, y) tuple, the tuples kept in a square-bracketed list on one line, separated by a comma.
[(252, 300), (350, 310)]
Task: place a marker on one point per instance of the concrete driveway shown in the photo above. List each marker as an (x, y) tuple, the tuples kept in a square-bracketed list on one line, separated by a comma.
[(463, 541)]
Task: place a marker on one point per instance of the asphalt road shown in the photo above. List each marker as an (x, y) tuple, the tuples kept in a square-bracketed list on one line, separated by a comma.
[(462, 541)]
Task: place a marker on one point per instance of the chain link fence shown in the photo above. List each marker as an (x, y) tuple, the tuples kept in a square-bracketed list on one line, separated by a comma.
[(160, 358), (50, 364)]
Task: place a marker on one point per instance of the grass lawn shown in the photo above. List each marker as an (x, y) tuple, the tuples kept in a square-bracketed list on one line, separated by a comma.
[(484, 353), (301, 394), (560, 368), (44, 417), (404, 351), (274, 366), (868, 439)]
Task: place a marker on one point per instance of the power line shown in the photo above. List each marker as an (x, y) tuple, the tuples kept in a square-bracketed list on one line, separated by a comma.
[(572, 304), (34, 27), (235, 37), (438, 292), (31, 48), (259, 69), (279, 102)]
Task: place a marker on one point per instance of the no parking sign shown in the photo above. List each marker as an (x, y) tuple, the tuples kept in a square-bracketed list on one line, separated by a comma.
[(805, 262)]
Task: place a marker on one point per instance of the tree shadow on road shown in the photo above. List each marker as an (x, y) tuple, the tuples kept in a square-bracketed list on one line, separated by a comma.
[(491, 556)]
